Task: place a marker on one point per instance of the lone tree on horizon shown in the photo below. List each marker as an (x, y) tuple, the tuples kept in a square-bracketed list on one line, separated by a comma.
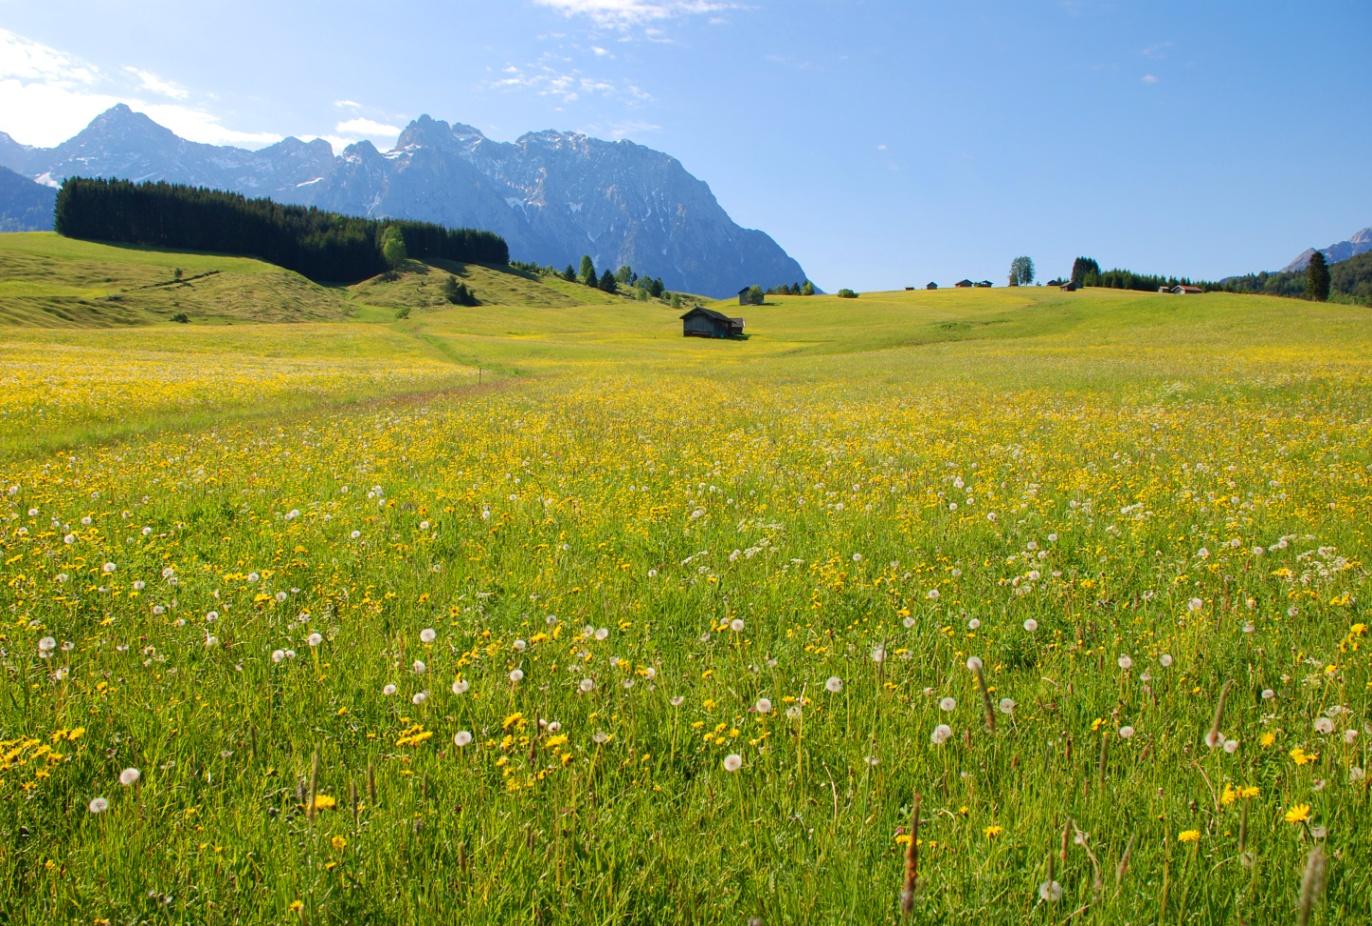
[(1317, 278), (1021, 271)]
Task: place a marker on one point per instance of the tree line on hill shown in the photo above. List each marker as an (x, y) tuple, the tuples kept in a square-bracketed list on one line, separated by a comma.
[(1346, 281), (323, 246)]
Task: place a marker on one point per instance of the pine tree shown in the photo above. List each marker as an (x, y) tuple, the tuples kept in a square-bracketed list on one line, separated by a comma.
[(1317, 278), (608, 282), (588, 275), (569, 274)]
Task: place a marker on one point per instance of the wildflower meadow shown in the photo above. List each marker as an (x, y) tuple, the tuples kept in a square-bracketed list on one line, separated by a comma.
[(975, 607)]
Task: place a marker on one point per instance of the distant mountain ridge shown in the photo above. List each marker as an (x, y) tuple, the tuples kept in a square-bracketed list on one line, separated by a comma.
[(553, 196), (24, 205), (1360, 242)]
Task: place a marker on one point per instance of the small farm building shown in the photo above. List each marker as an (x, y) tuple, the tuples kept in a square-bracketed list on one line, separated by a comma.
[(1069, 287), (932, 286), (701, 322), (964, 284)]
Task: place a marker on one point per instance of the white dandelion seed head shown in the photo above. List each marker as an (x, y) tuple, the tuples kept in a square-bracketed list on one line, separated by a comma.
[(314, 639), (462, 738), (974, 624), (736, 625), (1126, 732), (947, 705), (794, 712), (879, 654), (1007, 705), (1195, 604), (586, 685), (129, 777), (1268, 694), (388, 690), (1214, 739), (733, 762), (98, 805), (419, 697), (211, 641), (1125, 662), (47, 645), (428, 635), (107, 569), (1031, 625), (677, 701), (763, 706), (278, 655), (834, 684), (1324, 725), (419, 667), (1050, 892), (517, 676), (974, 664), (460, 686), (942, 733), (1231, 746), (1165, 660)]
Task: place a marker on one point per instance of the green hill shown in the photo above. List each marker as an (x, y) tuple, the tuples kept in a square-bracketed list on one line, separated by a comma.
[(50, 281)]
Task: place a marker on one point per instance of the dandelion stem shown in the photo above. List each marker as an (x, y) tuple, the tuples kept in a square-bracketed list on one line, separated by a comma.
[(1213, 736)]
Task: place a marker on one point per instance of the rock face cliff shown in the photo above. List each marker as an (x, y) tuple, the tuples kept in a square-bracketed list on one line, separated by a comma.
[(553, 196)]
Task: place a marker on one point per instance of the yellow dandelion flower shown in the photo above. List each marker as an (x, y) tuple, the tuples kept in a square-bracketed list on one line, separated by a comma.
[(1301, 757), (1267, 739), (993, 831), (1188, 836), (339, 843), (1298, 814), (324, 802)]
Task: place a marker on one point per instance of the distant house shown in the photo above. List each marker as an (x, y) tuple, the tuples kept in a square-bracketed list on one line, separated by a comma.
[(984, 284), (932, 286), (1069, 287), (909, 289), (964, 284), (701, 322), (1186, 290)]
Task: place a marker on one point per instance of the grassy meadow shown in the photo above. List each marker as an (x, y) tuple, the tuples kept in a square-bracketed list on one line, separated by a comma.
[(303, 624)]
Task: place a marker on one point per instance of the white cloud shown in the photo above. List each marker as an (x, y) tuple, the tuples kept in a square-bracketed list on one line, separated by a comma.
[(347, 104), (47, 96), (1150, 79), (623, 14), (368, 128), (566, 85), (25, 60), (150, 82)]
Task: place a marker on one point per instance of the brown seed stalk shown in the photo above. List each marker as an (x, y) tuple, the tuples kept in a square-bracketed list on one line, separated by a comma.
[(907, 892)]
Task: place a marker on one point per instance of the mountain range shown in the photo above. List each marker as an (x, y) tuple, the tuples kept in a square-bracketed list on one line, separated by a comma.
[(1360, 242), (553, 196), (24, 205)]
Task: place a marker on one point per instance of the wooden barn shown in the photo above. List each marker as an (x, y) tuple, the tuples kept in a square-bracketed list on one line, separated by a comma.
[(1068, 287), (701, 322), (964, 284), (932, 285)]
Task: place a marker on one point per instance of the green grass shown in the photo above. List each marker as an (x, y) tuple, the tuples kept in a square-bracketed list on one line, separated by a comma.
[(925, 475)]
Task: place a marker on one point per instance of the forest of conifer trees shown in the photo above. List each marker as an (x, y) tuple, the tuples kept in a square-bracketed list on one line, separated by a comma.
[(323, 246)]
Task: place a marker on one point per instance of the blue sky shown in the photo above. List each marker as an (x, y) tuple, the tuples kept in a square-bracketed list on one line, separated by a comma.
[(881, 142)]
